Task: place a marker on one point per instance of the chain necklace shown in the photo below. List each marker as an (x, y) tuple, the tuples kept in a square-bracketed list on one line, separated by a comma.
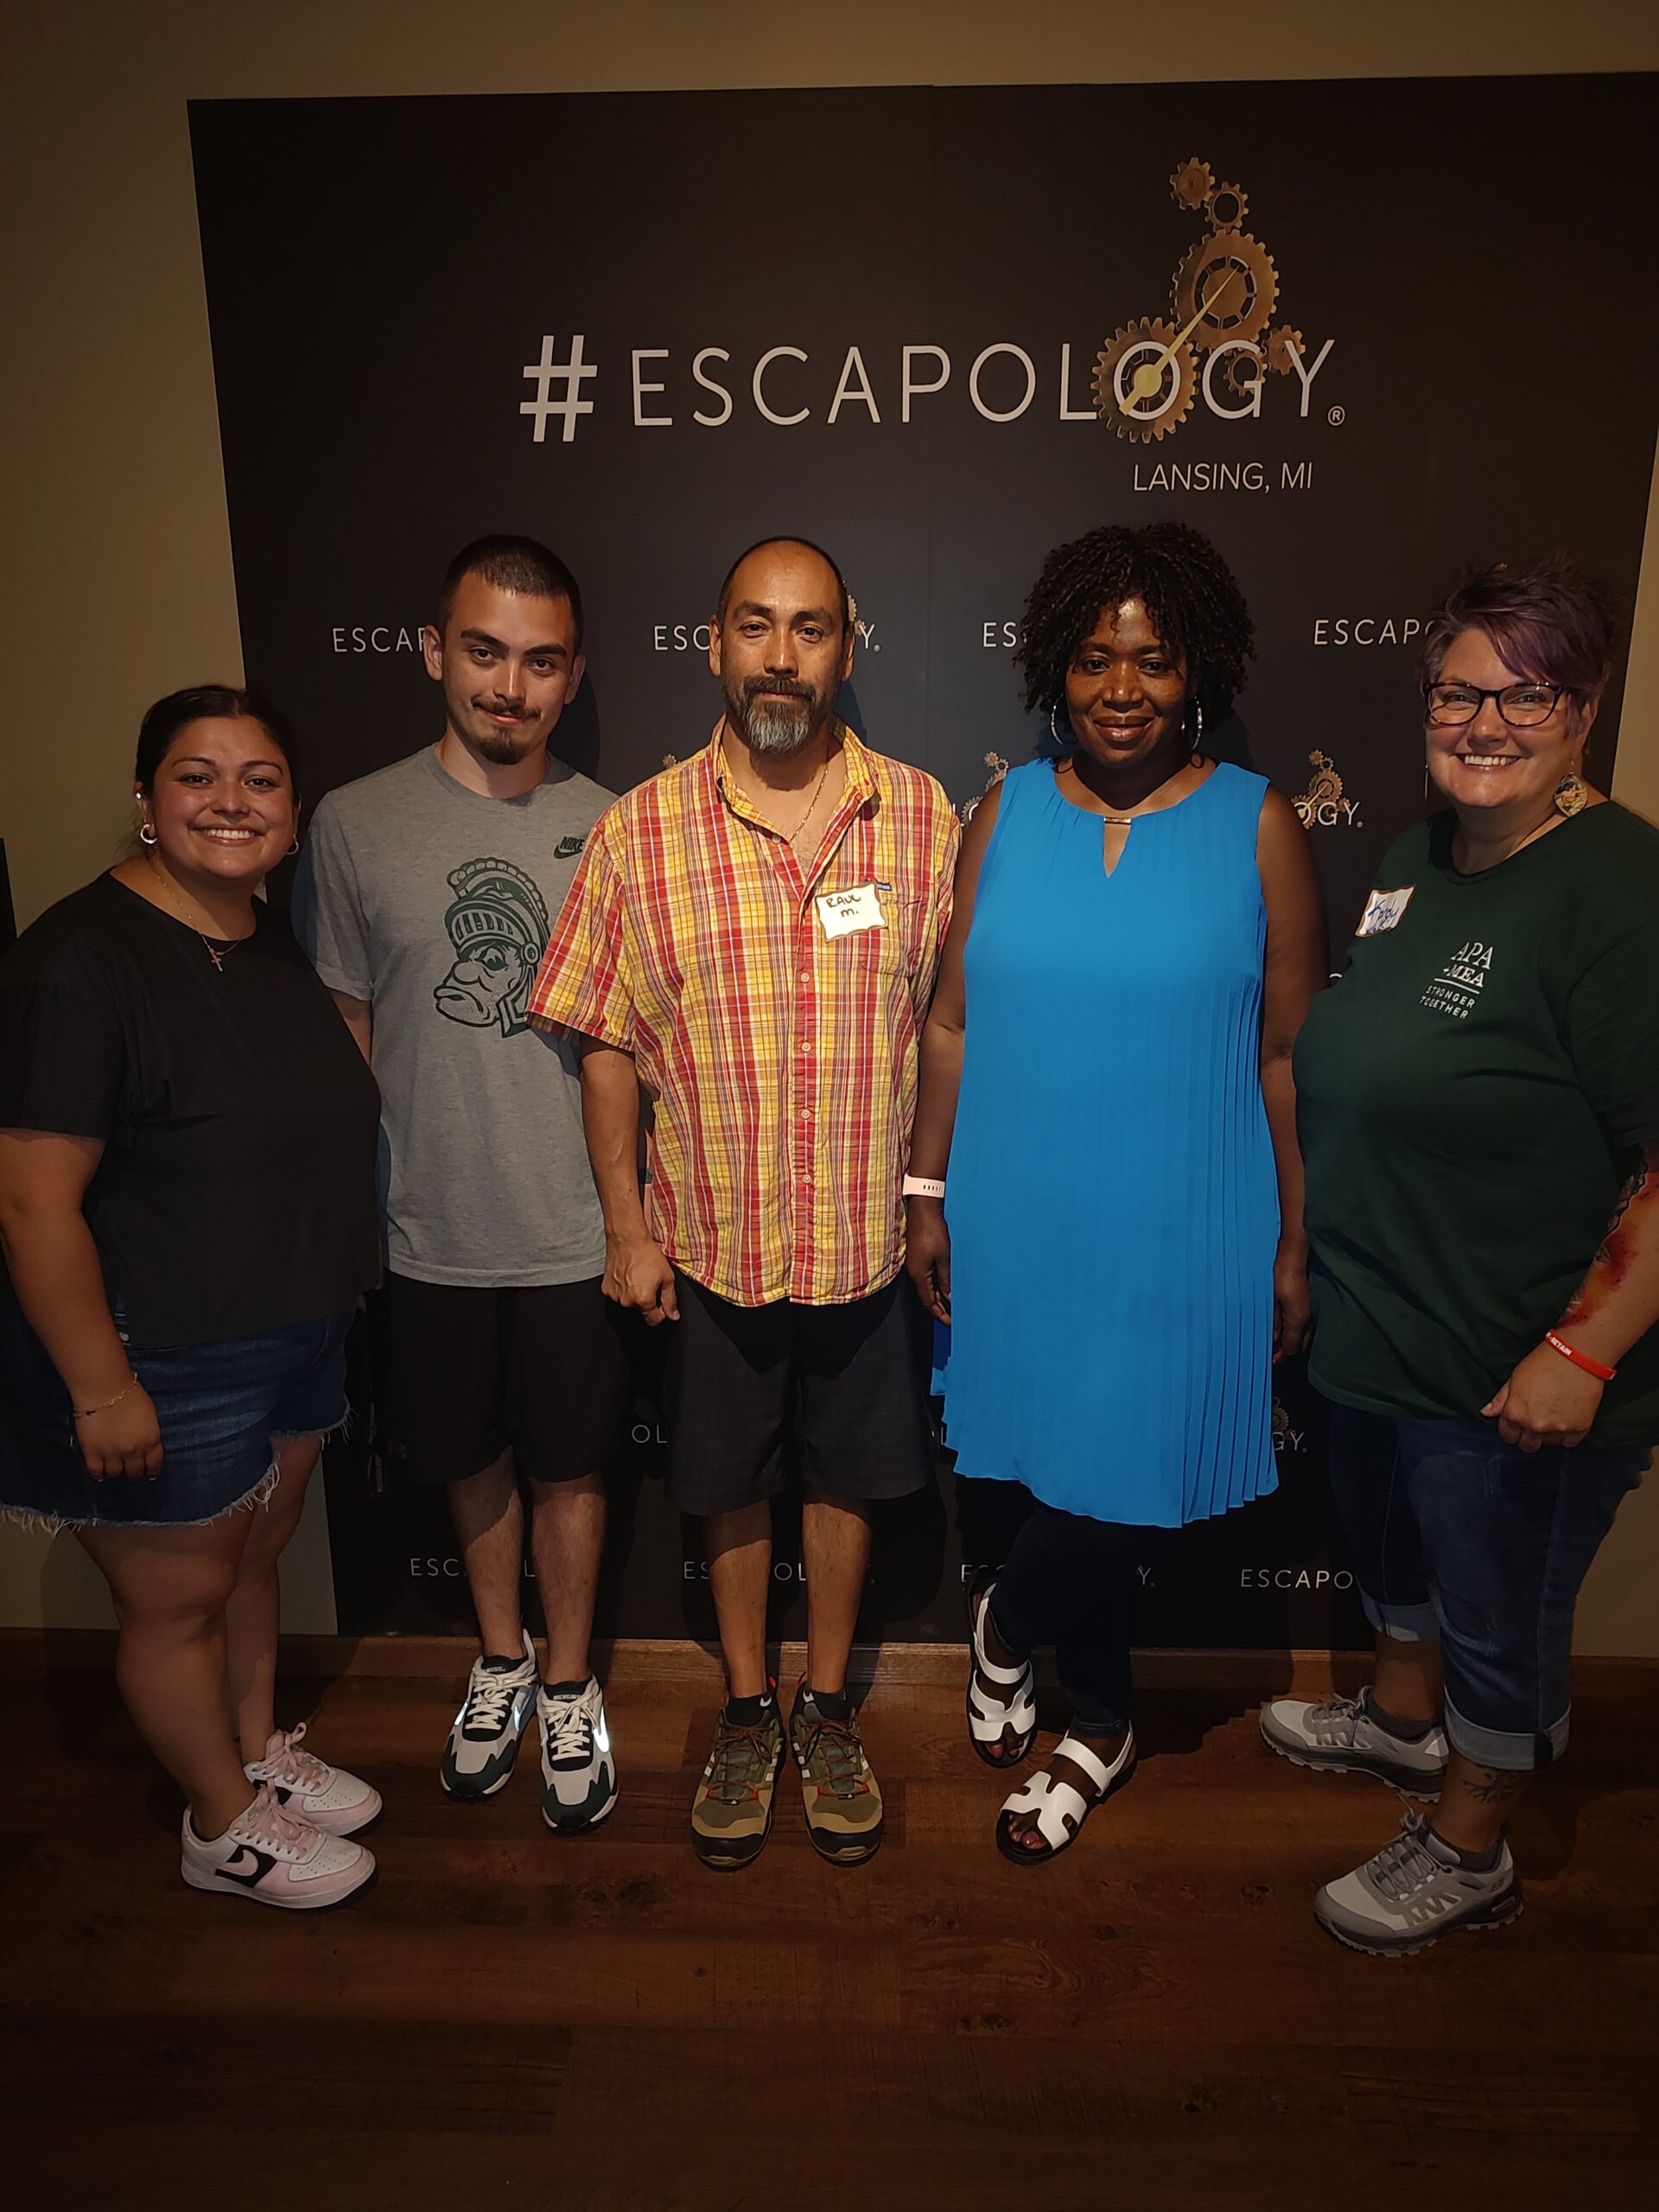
[(217, 953), (813, 801), (1128, 821)]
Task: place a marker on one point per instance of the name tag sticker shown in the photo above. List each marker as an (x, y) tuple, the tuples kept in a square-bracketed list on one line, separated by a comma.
[(1382, 910), (841, 913)]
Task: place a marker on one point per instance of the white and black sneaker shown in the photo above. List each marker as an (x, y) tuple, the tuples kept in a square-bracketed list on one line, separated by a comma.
[(1416, 1889), (578, 1769), (1346, 1737), (483, 1741)]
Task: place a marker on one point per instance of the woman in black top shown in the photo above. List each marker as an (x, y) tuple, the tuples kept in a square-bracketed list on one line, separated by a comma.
[(187, 1217)]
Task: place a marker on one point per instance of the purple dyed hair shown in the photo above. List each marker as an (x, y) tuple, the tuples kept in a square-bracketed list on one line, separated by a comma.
[(1549, 622)]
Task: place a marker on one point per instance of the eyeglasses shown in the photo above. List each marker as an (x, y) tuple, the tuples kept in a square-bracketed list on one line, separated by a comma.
[(1523, 706)]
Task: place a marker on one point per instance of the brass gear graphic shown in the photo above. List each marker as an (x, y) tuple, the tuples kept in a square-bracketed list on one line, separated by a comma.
[(1191, 183), (1236, 272), (1227, 206), (1243, 373), (1136, 346), (1278, 349)]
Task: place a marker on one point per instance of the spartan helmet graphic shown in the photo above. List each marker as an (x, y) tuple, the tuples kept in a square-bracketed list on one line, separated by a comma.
[(498, 925)]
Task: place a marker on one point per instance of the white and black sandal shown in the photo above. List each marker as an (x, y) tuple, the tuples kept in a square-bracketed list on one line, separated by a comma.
[(989, 1714), (1060, 1807)]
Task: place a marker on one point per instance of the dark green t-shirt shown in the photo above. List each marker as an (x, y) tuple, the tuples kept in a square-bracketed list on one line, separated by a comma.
[(1471, 1095)]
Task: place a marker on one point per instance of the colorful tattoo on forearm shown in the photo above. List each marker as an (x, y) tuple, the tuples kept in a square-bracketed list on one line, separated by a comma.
[(1617, 1250)]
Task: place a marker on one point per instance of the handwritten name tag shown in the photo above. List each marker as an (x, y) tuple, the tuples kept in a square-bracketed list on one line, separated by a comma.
[(1382, 910), (841, 913)]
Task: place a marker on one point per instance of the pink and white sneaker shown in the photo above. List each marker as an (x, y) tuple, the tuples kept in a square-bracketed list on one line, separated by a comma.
[(330, 1799), (268, 1855)]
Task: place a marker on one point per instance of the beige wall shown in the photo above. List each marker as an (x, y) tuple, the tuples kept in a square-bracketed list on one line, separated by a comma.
[(117, 553)]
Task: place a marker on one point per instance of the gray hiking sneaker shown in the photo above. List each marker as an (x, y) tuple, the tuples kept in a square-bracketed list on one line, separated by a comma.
[(1343, 1737), (1414, 1892)]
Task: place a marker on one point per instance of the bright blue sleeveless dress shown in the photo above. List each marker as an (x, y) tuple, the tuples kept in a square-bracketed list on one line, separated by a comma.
[(1111, 1195)]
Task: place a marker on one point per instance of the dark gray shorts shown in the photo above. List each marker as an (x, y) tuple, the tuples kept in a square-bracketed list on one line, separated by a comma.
[(837, 1392)]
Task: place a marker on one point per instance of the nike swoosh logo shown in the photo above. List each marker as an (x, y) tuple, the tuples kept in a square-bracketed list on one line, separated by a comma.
[(248, 1867)]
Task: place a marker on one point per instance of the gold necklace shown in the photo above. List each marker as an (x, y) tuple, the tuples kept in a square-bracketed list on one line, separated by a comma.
[(1128, 821), (812, 802), (216, 953)]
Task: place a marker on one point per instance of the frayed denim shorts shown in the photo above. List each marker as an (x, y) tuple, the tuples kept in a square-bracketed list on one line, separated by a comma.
[(223, 1408)]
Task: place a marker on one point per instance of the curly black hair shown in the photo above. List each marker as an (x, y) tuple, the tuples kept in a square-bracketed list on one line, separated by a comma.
[(1186, 585)]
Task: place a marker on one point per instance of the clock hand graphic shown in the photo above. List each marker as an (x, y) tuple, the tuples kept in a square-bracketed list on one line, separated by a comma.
[(1143, 385)]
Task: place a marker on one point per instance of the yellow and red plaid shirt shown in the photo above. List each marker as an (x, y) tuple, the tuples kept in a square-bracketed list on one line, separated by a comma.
[(783, 1061)]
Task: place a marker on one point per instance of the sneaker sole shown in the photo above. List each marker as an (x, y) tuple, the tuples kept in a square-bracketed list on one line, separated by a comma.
[(853, 1853), (1406, 1780), (725, 1858), (579, 1823), (1499, 1913), (206, 1882)]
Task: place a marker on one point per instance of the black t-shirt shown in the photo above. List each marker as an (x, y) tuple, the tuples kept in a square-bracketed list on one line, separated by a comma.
[(236, 1193)]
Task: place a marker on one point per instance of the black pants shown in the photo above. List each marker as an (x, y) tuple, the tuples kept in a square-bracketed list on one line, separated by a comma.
[(1068, 1581)]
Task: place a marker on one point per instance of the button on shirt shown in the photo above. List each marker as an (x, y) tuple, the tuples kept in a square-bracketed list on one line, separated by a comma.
[(782, 1060)]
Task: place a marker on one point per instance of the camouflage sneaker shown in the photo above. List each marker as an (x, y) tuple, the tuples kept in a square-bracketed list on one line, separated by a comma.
[(843, 1798), (732, 1811)]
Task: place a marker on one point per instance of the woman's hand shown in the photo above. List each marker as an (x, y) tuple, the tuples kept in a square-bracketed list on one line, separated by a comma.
[(927, 1255), (124, 1438), (1547, 1401), (1291, 1312)]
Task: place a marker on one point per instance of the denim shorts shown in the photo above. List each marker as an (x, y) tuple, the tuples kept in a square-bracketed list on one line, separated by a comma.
[(1459, 1536), (222, 1409)]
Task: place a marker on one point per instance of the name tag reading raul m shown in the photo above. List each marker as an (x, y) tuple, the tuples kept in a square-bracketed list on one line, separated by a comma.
[(843, 911)]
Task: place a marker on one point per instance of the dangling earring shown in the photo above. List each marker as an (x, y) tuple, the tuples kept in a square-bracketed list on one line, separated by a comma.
[(1570, 795), (146, 834)]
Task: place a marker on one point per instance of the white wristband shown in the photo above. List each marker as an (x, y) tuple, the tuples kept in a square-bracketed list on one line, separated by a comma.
[(922, 1186)]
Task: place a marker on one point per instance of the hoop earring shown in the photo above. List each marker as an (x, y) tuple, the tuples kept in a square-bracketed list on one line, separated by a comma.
[(1064, 738), (1571, 796), (292, 849), (146, 833)]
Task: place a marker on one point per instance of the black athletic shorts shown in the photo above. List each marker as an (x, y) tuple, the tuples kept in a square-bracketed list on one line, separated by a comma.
[(472, 1372), (839, 1392)]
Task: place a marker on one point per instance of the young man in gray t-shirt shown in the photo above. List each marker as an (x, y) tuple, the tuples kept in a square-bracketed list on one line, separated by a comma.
[(425, 897)]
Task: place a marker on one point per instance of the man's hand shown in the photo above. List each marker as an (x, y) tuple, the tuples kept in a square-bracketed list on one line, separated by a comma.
[(639, 1275), (123, 1440), (1291, 1312), (927, 1255), (1547, 1401)]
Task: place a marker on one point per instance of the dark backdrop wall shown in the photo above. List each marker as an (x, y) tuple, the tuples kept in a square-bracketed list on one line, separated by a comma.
[(1389, 328)]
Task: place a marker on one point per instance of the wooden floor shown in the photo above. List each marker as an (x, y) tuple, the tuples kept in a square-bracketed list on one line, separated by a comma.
[(509, 2020)]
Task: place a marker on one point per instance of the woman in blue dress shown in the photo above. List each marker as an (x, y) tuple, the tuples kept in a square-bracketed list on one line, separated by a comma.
[(1106, 1089)]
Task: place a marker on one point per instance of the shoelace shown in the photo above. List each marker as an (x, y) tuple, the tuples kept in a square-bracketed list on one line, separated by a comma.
[(267, 1826), (1324, 1719), (569, 1728), (1405, 1865), (843, 1755), (488, 1697), (741, 1758), (288, 1764)]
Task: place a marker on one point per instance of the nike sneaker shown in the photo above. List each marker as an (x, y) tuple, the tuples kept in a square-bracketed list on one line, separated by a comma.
[(330, 1798), (578, 1769), (269, 1856), (484, 1740)]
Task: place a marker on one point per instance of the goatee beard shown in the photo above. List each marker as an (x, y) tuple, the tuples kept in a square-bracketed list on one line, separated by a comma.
[(773, 725)]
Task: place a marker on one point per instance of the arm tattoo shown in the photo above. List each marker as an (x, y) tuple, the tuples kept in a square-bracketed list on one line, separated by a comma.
[(1616, 1249)]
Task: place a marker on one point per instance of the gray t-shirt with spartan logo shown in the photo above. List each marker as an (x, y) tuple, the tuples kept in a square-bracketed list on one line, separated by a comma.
[(435, 903)]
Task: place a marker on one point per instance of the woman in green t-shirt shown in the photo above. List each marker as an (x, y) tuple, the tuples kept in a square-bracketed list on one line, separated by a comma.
[(1478, 1106)]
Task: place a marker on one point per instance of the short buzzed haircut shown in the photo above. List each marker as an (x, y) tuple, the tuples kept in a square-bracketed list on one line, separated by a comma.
[(787, 537), (516, 564)]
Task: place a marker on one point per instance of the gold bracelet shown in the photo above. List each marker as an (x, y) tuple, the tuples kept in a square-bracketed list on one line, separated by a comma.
[(85, 1412)]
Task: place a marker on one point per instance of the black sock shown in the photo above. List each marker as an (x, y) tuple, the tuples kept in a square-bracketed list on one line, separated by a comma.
[(1408, 1731), (567, 1689), (1473, 1862), (749, 1712), (833, 1705), (499, 1663)]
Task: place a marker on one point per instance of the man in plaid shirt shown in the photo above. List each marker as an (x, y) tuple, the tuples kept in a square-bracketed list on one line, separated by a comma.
[(753, 936)]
